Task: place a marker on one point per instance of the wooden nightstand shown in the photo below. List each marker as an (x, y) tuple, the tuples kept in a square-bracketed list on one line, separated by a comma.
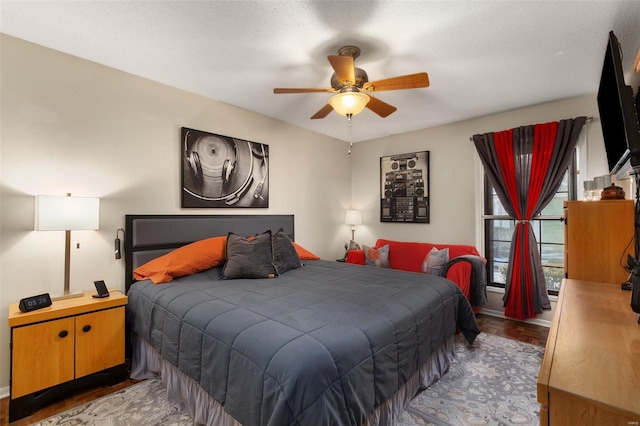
[(71, 344)]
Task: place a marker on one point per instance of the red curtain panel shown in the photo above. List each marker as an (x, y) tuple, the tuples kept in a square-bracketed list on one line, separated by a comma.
[(526, 165)]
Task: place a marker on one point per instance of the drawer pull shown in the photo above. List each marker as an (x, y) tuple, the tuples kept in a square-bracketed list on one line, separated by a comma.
[(86, 328), (63, 334)]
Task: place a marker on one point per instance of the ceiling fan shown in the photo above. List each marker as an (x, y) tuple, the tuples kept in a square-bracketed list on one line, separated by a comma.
[(352, 87)]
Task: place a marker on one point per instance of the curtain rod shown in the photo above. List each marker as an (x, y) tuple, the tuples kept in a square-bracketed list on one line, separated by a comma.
[(588, 120)]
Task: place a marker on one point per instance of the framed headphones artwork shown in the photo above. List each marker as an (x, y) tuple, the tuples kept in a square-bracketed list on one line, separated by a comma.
[(404, 188), (221, 171)]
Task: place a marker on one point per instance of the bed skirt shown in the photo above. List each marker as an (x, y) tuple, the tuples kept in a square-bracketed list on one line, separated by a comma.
[(186, 394)]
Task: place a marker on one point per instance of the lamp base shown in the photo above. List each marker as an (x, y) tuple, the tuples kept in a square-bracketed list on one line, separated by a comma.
[(67, 296)]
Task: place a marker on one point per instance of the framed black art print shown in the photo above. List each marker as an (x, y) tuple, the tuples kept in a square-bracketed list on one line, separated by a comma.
[(221, 171), (404, 188)]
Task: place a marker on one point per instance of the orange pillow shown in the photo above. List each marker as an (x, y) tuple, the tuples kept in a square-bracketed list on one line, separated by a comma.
[(303, 253), (186, 260)]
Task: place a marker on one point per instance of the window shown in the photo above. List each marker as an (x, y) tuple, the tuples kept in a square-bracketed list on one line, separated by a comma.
[(547, 227)]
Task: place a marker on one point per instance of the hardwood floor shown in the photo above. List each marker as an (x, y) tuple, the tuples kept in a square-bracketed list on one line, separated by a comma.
[(516, 330), (78, 398), (511, 329)]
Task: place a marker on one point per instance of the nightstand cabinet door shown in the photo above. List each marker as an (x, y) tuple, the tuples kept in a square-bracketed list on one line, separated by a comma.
[(43, 356), (99, 341)]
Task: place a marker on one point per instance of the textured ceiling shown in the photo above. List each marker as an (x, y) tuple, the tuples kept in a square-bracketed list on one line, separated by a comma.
[(482, 57)]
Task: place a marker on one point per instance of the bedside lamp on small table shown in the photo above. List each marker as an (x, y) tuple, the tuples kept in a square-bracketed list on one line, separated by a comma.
[(57, 213)]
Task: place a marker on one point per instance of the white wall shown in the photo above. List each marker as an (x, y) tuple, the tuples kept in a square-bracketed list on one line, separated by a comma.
[(456, 175), (69, 125)]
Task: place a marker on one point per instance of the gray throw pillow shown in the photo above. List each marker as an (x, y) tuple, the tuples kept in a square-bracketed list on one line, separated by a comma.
[(285, 256), (249, 258), (435, 261), (376, 257)]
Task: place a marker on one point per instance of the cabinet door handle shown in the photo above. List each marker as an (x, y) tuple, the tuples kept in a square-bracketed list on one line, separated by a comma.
[(63, 334), (86, 328)]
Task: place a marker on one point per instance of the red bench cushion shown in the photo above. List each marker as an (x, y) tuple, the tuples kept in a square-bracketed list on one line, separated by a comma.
[(408, 256)]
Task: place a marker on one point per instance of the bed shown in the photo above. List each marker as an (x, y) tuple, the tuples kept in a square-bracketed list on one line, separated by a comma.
[(327, 343)]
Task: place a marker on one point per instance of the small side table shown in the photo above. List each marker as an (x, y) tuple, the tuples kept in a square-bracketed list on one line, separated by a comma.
[(71, 344)]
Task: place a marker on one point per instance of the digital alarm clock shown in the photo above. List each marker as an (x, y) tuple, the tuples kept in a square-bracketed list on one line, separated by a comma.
[(32, 303)]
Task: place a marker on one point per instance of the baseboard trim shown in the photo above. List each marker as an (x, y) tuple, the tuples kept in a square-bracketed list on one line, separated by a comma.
[(4, 392), (535, 321)]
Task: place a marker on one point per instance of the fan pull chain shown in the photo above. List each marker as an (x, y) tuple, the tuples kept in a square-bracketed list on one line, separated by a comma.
[(350, 133)]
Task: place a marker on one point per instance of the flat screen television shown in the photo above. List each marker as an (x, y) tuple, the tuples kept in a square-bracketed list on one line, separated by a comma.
[(618, 115)]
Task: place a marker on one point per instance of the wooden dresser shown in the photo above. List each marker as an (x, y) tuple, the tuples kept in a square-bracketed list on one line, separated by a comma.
[(590, 374), (598, 236)]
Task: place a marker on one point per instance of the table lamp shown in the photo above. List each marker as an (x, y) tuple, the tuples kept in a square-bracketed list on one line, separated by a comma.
[(58, 213), (353, 218)]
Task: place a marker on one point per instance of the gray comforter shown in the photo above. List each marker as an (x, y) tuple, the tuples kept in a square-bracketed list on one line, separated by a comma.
[(324, 344)]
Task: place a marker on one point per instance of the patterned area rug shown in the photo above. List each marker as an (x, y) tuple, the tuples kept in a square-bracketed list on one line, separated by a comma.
[(492, 382), (143, 404)]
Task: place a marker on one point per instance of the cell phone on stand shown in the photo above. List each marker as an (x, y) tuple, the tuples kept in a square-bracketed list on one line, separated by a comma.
[(101, 288)]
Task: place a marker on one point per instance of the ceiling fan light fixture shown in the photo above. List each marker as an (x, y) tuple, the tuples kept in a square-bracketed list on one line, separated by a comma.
[(349, 103)]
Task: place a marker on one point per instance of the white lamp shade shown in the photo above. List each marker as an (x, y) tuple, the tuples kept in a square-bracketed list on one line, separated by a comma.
[(353, 217), (349, 103), (57, 213)]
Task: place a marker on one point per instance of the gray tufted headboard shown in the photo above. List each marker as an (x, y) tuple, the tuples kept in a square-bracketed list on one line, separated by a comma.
[(151, 236)]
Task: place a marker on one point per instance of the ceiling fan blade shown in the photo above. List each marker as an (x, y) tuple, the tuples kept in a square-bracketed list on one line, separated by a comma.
[(411, 81), (324, 111), (344, 68), (381, 108), (302, 90)]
